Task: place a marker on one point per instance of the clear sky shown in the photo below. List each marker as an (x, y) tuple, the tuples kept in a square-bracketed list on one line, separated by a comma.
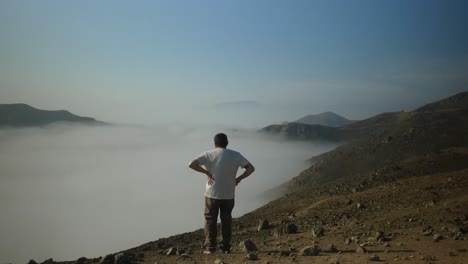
[(248, 63)]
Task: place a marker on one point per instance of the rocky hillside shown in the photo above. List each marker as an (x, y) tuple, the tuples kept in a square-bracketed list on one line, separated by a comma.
[(396, 193), (325, 119), (23, 115)]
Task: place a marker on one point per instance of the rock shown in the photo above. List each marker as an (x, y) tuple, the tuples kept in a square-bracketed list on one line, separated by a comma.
[(171, 251), (121, 258), (140, 255), (219, 261), (310, 251), (32, 262), (251, 256), (332, 248), (108, 259), (361, 250), (359, 205), (374, 258), (437, 237), (81, 260), (247, 246), (347, 241), (459, 236), (180, 251), (263, 225), (378, 235), (318, 232), (291, 228)]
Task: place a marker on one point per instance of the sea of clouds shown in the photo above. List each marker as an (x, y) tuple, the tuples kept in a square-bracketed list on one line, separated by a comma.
[(68, 191)]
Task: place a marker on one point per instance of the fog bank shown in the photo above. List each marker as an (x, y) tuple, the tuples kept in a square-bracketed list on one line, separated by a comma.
[(72, 191)]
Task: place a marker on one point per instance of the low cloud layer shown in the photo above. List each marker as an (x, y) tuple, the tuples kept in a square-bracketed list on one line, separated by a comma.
[(71, 191)]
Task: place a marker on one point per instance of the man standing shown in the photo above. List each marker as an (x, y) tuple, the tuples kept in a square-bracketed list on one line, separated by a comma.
[(221, 167)]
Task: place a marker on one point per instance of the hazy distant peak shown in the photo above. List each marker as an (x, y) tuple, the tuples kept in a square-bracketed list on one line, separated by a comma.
[(325, 119), (23, 115)]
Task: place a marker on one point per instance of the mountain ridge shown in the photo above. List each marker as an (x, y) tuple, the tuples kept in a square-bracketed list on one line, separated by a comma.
[(24, 115), (328, 118)]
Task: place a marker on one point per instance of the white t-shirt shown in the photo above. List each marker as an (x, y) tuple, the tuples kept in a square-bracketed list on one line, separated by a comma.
[(223, 165)]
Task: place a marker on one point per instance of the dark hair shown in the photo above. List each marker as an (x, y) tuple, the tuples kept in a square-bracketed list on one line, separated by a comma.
[(221, 140)]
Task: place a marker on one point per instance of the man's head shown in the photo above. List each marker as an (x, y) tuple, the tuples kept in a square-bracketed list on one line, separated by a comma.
[(220, 140)]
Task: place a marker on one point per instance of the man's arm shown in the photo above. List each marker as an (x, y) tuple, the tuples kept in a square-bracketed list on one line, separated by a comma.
[(195, 165), (249, 169)]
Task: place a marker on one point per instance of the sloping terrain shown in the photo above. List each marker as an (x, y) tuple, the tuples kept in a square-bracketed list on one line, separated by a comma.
[(325, 119), (396, 195), (23, 115)]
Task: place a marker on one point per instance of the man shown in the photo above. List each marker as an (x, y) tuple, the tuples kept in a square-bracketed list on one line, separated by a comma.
[(221, 167)]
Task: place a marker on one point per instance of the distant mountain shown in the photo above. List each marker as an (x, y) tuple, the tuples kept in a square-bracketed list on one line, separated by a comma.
[(325, 119), (23, 115), (371, 127)]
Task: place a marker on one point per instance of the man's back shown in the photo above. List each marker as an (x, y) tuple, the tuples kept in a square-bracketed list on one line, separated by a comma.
[(223, 165)]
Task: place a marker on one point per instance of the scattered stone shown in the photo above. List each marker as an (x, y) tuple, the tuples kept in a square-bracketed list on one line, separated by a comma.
[(108, 259), (459, 236), (310, 251), (374, 258), (171, 251), (121, 258), (291, 228), (180, 251), (347, 241), (437, 237), (184, 256), (359, 205), (318, 232), (427, 233), (247, 246), (378, 235), (361, 250), (263, 225), (219, 261), (332, 248), (251, 256)]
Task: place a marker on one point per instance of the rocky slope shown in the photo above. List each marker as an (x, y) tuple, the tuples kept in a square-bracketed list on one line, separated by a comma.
[(396, 193), (23, 115)]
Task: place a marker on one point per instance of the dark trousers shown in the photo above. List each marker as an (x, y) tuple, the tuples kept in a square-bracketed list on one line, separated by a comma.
[(212, 207)]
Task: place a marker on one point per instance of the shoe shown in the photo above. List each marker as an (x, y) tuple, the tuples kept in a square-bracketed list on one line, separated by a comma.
[(208, 252), (225, 249)]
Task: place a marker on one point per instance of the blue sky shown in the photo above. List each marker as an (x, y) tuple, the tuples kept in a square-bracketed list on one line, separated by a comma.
[(247, 63)]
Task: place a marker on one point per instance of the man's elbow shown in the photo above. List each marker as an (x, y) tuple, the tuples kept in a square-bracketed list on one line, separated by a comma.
[(191, 164)]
